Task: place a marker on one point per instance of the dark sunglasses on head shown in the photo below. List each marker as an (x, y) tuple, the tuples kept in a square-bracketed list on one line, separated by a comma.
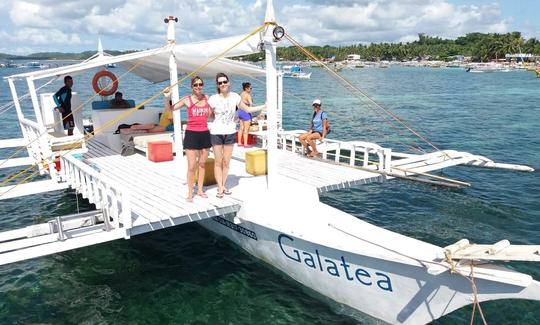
[(222, 82), (199, 84), (316, 105)]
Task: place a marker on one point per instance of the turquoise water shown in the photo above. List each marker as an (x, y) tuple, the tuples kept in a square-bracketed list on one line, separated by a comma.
[(186, 275)]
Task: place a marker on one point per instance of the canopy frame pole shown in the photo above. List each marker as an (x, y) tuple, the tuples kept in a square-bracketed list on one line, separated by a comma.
[(272, 107), (18, 109), (271, 97), (280, 101), (175, 92), (35, 101)]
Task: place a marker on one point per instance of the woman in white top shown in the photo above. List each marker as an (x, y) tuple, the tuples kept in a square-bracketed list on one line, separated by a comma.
[(223, 130)]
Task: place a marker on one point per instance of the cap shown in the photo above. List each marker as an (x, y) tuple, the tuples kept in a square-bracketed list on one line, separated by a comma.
[(316, 102)]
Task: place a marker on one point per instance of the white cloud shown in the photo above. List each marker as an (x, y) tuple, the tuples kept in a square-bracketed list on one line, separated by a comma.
[(61, 25), (386, 20)]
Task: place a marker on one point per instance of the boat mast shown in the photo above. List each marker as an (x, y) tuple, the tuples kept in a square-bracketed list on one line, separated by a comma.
[(271, 97), (175, 95)]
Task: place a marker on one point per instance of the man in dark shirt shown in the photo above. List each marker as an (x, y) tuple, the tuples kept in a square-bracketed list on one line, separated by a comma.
[(62, 98), (118, 101)]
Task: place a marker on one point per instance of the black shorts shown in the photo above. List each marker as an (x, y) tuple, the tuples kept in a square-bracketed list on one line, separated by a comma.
[(222, 139), (197, 140), (68, 121)]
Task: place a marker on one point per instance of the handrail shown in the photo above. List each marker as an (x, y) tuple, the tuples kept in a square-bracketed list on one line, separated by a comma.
[(31, 124), (384, 155), (100, 190)]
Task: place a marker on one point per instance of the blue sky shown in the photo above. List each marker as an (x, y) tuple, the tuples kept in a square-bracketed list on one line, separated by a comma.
[(28, 26)]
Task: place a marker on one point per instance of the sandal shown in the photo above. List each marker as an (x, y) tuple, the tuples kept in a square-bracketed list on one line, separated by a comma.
[(202, 195), (219, 195), (227, 192), (189, 199)]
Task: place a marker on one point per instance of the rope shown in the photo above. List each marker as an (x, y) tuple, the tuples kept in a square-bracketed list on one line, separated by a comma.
[(371, 100), (422, 262), (375, 131), (476, 302), (353, 89), (78, 108), (132, 110), (11, 104)]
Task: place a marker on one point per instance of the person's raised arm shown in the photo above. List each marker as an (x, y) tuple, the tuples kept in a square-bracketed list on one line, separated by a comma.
[(167, 101), (251, 109)]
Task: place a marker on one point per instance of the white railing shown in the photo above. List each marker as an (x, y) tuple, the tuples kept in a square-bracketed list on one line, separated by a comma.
[(112, 198), (38, 146), (361, 154)]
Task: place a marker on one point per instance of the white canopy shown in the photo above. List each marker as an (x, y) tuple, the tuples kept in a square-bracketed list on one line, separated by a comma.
[(153, 65)]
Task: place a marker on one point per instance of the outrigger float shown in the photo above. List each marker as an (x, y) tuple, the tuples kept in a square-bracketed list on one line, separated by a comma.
[(381, 273)]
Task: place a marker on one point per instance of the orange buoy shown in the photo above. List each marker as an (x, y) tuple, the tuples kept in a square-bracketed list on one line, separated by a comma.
[(110, 89)]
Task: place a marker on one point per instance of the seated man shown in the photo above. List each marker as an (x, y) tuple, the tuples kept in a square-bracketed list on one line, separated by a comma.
[(118, 101)]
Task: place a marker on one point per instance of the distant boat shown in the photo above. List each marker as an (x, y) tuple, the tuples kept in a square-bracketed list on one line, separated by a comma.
[(36, 65), (295, 71), (33, 65), (487, 67), (111, 65)]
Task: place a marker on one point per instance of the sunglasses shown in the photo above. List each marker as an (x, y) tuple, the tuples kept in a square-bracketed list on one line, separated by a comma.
[(316, 105), (199, 84), (222, 82)]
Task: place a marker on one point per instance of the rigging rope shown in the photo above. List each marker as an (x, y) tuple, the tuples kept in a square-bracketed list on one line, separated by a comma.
[(416, 148), (77, 109), (450, 267), (11, 104), (354, 88), (134, 109)]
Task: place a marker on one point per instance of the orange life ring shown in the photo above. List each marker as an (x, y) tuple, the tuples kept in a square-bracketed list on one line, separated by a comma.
[(110, 89)]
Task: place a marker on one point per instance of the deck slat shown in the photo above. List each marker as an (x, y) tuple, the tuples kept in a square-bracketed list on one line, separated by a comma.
[(158, 194)]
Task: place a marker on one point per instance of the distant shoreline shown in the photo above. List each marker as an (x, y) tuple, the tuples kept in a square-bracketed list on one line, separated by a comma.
[(476, 47)]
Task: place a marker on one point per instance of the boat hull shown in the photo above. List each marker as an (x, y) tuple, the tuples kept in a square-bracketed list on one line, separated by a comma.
[(391, 291)]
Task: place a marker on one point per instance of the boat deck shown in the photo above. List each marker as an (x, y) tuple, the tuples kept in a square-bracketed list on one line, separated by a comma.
[(158, 190)]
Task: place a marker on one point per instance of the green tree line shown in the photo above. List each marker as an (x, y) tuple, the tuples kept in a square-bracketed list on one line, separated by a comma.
[(481, 47)]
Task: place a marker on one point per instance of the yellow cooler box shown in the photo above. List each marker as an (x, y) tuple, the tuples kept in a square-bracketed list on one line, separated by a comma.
[(209, 177), (256, 162)]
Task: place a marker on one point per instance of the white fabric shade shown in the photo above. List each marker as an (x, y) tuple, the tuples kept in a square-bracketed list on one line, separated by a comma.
[(155, 63)]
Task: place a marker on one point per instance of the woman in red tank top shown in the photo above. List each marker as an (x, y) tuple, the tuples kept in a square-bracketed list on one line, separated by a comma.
[(197, 136)]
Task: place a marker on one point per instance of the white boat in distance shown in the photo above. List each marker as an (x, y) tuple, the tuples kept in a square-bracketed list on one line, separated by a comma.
[(386, 275), (295, 71)]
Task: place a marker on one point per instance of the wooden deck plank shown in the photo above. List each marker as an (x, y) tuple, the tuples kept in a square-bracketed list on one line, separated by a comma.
[(140, 163), (155, 191), (172, 183)]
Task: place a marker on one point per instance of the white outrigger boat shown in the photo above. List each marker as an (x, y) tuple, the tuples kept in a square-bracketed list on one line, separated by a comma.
[(381, 273)]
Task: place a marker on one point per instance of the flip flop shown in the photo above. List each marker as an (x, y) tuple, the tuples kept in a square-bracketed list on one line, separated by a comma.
[(202, 195), (219, 195), (227, 192)]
